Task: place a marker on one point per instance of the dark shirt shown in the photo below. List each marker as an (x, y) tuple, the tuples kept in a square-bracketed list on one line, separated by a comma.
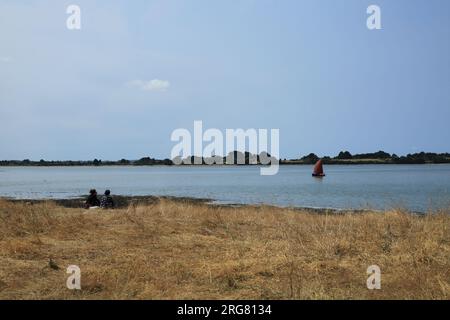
[(107, 202), (92, 201)]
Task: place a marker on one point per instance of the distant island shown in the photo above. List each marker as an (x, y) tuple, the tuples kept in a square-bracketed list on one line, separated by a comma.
[(380, 157), (344, 157)]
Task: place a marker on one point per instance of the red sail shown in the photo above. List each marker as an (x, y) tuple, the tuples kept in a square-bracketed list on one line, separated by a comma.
[(318, 169)]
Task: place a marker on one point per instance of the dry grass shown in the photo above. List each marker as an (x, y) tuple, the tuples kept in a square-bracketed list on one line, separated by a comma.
[(174, 250)]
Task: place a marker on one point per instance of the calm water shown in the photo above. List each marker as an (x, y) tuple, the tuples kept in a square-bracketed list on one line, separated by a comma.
[(416, 187)]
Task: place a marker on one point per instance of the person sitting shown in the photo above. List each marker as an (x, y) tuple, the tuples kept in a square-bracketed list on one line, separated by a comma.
[(92, 200), (107, 200)]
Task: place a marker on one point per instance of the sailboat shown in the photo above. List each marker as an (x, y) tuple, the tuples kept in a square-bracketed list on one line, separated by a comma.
[(318, 170)]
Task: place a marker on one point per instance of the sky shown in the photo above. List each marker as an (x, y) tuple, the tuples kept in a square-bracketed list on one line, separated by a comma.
[(137, 70)]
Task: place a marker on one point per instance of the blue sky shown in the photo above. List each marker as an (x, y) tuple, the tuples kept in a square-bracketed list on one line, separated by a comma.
[(309, 68)]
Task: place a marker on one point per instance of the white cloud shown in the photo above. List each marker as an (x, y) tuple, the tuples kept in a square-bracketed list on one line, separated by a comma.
[(152, 85), (5, 59)]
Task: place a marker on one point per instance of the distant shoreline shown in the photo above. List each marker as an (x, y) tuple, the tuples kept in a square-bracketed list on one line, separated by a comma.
[(282, 163), (246, 158)]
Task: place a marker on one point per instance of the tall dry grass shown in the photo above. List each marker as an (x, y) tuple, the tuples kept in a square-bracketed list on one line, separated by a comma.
[(176, 250)]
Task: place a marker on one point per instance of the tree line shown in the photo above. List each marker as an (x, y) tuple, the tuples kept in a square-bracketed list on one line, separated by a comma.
[(344, 157), (377, 157)]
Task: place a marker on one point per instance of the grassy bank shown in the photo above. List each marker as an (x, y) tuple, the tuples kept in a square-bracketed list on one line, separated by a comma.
[(185, 250)]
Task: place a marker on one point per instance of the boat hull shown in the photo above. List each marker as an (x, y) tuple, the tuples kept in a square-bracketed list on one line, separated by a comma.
[(318, 175)]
